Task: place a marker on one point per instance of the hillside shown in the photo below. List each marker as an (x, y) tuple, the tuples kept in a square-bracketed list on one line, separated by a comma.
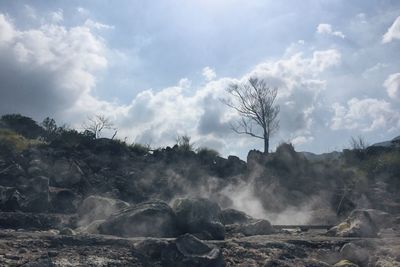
[(58, 179)]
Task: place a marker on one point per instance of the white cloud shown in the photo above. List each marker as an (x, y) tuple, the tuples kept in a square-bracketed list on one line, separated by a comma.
[(97, 25), (57, 16), (49, 70), (366, 115), (323, 60), (392, 84), (324, 28), (185, 83), (393, 32), (209, 74)]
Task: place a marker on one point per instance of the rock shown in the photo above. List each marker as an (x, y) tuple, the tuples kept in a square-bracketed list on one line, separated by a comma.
[(98, 208), (66, 173), (63, 200), (354, 253), (232, 216), (11, 175), (10, 199), (150, 219), (199, 216), (345, 263), (360, 223), (190, 251), (37, 195), (259, 227)]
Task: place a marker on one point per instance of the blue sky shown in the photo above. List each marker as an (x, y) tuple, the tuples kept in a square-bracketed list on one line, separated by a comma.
[(159, 68)]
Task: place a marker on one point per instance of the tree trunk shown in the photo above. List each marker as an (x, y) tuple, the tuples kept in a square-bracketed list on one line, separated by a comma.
[(266, 144)]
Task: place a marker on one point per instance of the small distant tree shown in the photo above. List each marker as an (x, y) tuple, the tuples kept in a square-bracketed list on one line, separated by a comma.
[(358, 143), (51, 130), (183, 142), (96, 124), (254, 100)]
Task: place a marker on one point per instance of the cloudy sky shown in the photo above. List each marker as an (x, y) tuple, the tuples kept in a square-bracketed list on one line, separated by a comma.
[(158, 69)]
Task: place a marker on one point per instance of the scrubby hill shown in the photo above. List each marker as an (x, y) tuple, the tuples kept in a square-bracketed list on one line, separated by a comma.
[(57, 178)]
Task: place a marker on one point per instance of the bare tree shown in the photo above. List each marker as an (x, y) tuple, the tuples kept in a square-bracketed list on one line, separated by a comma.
[(358, 143), (97, 123), (254, 100)]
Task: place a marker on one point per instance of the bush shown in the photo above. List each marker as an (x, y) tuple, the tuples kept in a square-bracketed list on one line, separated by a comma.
[(140, 149), (183, 142), (13, 142), (22, 125), (205, 152)]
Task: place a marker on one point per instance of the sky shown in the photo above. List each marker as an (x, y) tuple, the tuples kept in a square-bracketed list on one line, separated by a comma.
[(159, 69)]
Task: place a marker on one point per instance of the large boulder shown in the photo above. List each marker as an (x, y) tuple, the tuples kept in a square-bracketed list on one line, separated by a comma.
[(232, 216), (199, 216), (150, 219), (66, 173), (361, 223), (98, 208), (186, 250)]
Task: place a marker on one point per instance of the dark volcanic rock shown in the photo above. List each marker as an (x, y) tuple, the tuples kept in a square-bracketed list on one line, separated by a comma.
[(151, 219), (232, 216), (10, 199), (63, 200), (11, 175), (185, 251), (199, 216)]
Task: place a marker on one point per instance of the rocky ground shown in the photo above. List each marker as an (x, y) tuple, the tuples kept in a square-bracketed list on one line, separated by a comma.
[(312, 248)]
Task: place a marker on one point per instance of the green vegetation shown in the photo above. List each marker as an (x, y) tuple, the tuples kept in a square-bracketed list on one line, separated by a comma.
[(13, 142)]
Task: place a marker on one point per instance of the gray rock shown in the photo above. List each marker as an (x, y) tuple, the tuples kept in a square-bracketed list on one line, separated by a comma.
[(232, 216), (199, 216), (190, 251), (259, 227), (151, 219), (355, 254), (66, 173)]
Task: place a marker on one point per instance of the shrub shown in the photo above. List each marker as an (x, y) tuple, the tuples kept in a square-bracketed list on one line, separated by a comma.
[(13, 142), (140, 149), (183, 142), (205, 152), (22, 125)]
